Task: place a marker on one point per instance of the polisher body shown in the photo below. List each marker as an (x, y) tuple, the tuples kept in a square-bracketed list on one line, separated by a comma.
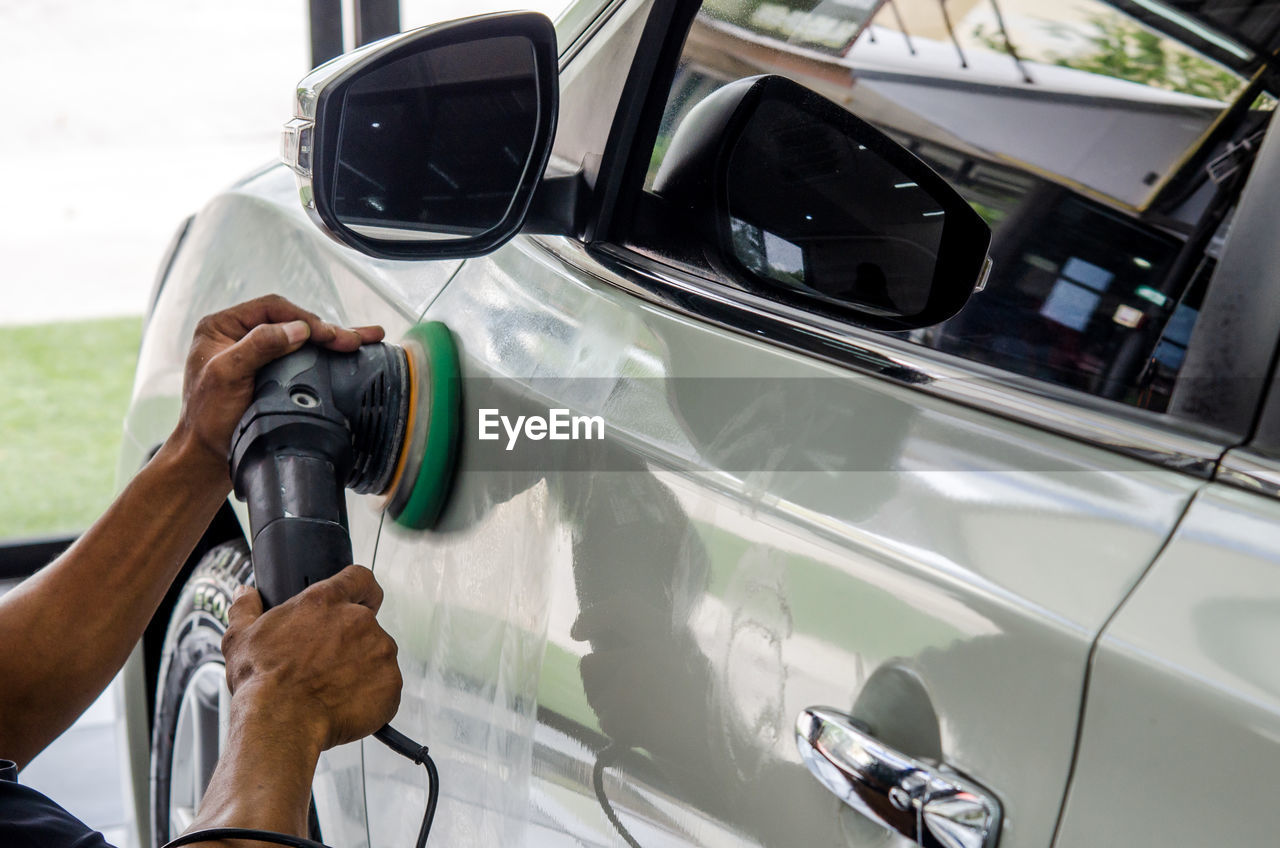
[(380, 420)]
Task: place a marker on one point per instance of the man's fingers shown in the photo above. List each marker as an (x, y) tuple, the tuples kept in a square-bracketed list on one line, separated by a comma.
[(263, 344), (274, 309), (245, 609), (235, 322), (348, 339), (357, 585), (239, 321)]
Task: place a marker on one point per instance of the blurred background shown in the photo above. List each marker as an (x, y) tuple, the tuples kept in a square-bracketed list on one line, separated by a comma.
[(121, 120)]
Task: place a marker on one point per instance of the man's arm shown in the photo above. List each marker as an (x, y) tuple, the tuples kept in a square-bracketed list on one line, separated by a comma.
[(68, 629)]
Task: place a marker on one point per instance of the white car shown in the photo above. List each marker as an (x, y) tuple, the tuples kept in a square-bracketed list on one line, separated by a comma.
[(1009, 577)]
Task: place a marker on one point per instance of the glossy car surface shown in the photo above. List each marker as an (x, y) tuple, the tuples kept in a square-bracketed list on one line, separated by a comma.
[(1053, 570)]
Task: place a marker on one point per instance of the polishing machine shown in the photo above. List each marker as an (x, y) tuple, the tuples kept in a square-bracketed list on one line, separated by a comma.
[(382, 420)]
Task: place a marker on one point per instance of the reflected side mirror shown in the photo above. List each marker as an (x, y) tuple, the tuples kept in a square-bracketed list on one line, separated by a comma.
[(428, 144), (800, 201)]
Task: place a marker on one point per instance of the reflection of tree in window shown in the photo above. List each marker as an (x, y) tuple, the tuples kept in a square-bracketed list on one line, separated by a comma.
[(1105, 42)]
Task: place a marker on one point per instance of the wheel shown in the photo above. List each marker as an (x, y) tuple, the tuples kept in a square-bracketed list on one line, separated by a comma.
[(192, 698)]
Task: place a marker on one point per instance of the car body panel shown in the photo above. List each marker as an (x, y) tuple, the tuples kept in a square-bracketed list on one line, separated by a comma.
[(643, 590), (1179, 735)]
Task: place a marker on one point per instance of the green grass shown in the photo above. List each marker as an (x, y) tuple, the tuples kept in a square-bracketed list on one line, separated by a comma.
[(64, 389)]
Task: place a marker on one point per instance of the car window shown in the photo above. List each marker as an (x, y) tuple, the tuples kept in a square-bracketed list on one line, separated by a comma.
[(1098, 147)]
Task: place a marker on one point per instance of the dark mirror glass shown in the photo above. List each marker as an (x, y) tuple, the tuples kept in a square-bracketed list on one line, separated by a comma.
[(812, 208), (432, 145)]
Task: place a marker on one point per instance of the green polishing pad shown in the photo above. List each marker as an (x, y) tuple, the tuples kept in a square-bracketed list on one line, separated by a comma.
[(431, 445)]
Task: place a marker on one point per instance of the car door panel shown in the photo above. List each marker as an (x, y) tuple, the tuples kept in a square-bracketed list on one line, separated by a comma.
[(1178, 742), (760, 534)]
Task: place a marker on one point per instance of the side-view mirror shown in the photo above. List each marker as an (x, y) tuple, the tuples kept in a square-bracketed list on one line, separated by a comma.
[(428, 144), (798, 200)]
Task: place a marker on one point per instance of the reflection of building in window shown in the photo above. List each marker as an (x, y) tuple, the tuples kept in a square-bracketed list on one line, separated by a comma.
[(1086, 119), (1076, 294), (1085, 151)]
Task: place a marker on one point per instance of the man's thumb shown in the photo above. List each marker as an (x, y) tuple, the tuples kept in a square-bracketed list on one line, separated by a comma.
[(245, 609)]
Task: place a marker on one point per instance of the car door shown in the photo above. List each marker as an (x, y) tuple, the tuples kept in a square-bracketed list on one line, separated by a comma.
[(610, 640)]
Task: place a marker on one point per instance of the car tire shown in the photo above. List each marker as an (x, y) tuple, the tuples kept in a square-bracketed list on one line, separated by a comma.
[(192, 699)]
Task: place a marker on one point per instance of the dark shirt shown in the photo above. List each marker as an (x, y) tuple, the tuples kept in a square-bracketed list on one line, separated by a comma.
[(28, 819)]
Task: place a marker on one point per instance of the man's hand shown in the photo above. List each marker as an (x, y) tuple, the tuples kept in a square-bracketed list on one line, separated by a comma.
[(228, 349), (78, 618), (314, 672), (320, 662)]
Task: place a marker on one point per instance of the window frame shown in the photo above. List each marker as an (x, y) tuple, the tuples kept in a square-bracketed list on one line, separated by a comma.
[(584, 30)]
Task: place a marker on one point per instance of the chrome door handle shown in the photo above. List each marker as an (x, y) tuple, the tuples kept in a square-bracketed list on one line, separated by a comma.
[(926, 803)]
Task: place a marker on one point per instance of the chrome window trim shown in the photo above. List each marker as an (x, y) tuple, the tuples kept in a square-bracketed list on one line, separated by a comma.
[(938, 374), (1250, 471)]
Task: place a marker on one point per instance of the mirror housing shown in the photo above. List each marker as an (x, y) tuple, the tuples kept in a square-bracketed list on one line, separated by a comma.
[(799, 201), (428, 144)]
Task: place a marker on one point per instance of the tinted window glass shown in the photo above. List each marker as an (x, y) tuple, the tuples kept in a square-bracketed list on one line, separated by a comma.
[(1081, 134)]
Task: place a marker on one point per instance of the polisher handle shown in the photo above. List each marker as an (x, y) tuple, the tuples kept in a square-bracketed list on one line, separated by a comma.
[(290, 458), (297, 515)]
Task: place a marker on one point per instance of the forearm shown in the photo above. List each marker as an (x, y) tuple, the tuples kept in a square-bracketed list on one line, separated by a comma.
[(263, 778), (68, 629)]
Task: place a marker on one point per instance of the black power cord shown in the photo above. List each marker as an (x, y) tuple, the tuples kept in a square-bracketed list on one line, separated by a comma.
[(389, 736), (406, 747), (609, 756)]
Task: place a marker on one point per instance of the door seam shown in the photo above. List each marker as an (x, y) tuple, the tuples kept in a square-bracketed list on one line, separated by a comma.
[(1092, 658)]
